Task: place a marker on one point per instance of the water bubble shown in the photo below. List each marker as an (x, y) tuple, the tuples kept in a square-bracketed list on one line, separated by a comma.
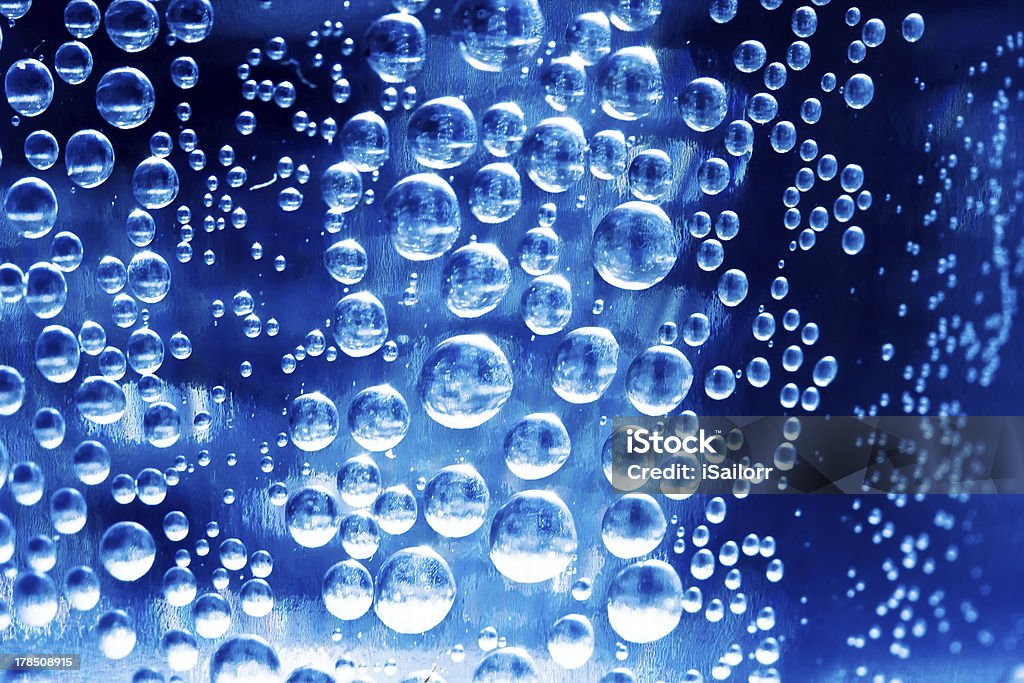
[(89, 158), (476, 278), (415, 590), (365, 141), (714, 176), (507, 664), (585, 364), (127, 551), (465, 381), (46, 290), (442, 133), (630, 84), (341, 186), (313, 422), (496, 34), (378, 418), (184, 72), (608, 154), (396, 46), (34, 599), (81, 18), (720, 382), (41, 149), (635, 246), (704, 104), (546, 304), (533, 537), (149, 277), (312, 516), (116, 633), (502, 129), (749, 56), (555, 154), (346, 261), (645, 601), (650, 175), (571, 641), (859, 91), (125, 98), (31, 207), (395, 510), (537, 446), (635, 15), (132, 25), (422, 216), (633, 526), (496, 193), (539, 250), (455, 501), (359, 324), (190, 21), (100, 400), (589, 37), (155, 183), (913, 27), (347, 590), (29, 87), (658, 380), (82, 587), (244, 658), (57, 354)]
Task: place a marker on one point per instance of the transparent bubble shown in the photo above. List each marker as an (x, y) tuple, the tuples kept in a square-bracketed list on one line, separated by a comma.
[(378, 418), (650, 175), (476, 278), (455, 501), (359, 324), (313, 422), (645, 601), (496, 34), (29, 87), (46, 290), (533, 537), (31, 207), (100, 400), (630, 84), (496, 193), (346, 261), (132, 25), (190, 21), (571, 641), (749, 56), (341, 186), (81, 18), (415, 590), (89, 158), (149, 277), (365, 141), (634, 525), (395, 510), (658, 380), (608, 154), (502, 129), (555, 154), (704, 104), (913, 27), (635, 246), (244, 658), (127, 551), (396, 46), (442, 133), (537, 446), (125, 98), (546, 304), (347, 590), (155, 183), (510, 664), (635, 15), (57, 354), (34, 599), (465, 381), (589, 37), (312, 516), (421, 214), (585, 364), (859, 91)]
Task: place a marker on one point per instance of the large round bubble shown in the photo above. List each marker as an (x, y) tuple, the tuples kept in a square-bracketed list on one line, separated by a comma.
[(415, 590), (421, 214), (635, 246), (497, 34), (465, 381), (533, 537)]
